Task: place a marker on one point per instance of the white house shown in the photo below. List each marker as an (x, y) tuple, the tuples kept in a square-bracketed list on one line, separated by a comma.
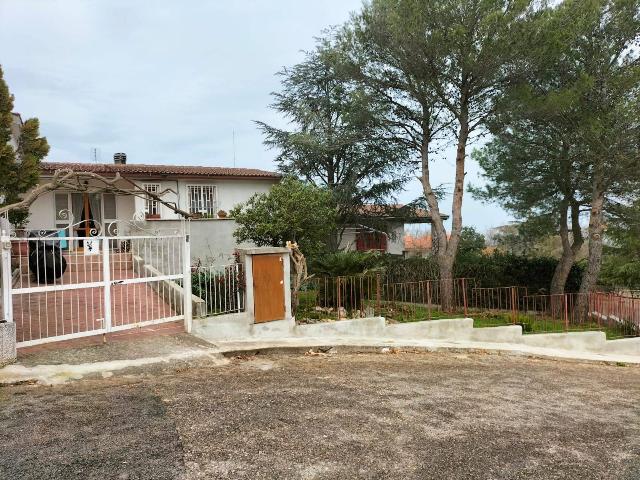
[(394, 217), (207, 192)]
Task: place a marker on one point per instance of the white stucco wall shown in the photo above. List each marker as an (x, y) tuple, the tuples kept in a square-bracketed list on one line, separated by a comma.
[(229, 192), (212, 240)]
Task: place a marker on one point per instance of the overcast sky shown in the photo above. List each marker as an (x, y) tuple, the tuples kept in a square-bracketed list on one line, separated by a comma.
[(168, 81)]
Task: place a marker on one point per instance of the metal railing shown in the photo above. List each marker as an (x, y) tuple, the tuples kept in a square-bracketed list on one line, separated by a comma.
[(373, 295), (221, 288), (336, 298)]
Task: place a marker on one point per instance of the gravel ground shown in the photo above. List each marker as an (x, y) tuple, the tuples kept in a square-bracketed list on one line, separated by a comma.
[(423, 416)]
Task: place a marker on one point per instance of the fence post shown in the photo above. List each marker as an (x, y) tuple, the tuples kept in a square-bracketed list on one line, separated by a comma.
[(513, 305), (566, 314), (464, 297), (186, 281), (106, 278), (339, 294), (378, 307), (238, 292), (7, 304)]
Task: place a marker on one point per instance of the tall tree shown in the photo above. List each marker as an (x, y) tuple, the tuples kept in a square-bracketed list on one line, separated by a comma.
[(607, 59), (566, 137), (439, 65), (19, 167), (336, 140), (532, 169)]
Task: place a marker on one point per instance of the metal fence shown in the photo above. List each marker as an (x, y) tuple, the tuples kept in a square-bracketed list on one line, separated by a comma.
[(221, 288), (63, 287), (372, 295)]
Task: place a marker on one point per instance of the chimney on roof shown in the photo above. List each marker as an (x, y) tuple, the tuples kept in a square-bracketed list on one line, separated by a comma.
[(120, 158)]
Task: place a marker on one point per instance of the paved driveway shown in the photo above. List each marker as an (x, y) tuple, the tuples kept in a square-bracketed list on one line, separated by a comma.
[(423, 416)]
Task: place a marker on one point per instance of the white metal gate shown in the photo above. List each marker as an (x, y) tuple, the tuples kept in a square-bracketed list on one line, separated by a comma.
[(58, 287)]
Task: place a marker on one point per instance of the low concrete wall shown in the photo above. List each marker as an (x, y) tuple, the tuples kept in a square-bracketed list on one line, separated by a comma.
[(506, 334), (448, 328), (576, 341), (172, 293), (361, 327), (623, 346), (276, 329), (239, 326), (233, 326), (7, 343)]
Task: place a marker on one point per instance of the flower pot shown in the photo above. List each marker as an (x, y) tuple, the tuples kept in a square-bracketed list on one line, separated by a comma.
[(20, 248)]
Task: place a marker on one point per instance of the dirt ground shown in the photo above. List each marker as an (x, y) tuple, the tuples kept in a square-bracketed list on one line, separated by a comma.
[(400, 416)]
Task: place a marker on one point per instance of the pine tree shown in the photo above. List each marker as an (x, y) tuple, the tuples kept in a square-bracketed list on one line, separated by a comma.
[(19, 168)]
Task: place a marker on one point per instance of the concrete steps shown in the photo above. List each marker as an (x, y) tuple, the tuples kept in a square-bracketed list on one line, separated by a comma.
[(78, 262)]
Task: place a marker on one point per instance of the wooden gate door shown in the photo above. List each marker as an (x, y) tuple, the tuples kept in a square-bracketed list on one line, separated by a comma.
[(268, 288)]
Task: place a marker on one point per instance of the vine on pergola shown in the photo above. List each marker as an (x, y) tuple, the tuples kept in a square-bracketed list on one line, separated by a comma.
[(67, 179)]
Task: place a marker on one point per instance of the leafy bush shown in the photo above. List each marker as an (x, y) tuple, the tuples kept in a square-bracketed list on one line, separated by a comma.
[(338, 264), (495, 270)]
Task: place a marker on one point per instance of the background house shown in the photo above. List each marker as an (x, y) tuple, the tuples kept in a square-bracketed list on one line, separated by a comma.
[(207, 192), (382, 228)]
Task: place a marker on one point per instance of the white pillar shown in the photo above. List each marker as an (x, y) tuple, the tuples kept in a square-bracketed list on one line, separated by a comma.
[(7, 303), (186, 281), (106, 278)]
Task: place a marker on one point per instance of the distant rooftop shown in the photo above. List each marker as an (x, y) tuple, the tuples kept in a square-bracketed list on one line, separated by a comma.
[(145, 170), (399, 211)]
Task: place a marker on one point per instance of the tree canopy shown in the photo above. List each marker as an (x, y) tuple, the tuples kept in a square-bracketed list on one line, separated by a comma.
[(19, 168), (291, 211), (438, 66), (336, 140)]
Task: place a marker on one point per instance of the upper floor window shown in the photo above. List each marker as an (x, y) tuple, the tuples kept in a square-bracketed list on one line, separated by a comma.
[(202, 200), (152, 207)]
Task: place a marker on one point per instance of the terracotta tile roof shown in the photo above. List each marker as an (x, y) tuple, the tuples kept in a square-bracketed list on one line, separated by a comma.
[(144, 170), (398, 210)]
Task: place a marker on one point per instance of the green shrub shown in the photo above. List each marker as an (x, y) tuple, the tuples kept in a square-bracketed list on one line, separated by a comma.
[(339, 264)]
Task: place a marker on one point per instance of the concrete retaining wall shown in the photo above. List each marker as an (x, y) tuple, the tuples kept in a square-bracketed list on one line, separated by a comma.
[(233, 326), (361, 327), (276, 329), (239, 326), (7, 343), (576, 341), (506, 334), (624, 346), (447, 328)]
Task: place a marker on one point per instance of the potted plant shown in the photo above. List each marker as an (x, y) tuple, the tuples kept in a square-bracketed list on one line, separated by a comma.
[(18, 218), (222, 214)]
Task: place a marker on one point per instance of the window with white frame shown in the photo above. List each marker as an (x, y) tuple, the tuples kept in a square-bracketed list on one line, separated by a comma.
[(152, 207), (202, 200)]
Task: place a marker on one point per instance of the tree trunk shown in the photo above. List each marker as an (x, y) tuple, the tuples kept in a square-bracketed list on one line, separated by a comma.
[(447, 247), (596, 234), (445, 267), (569, 248)]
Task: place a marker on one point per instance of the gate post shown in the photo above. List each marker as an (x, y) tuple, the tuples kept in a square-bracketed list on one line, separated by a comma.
[(106, 277), (186, 281), (7, 327), (7, 304)]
